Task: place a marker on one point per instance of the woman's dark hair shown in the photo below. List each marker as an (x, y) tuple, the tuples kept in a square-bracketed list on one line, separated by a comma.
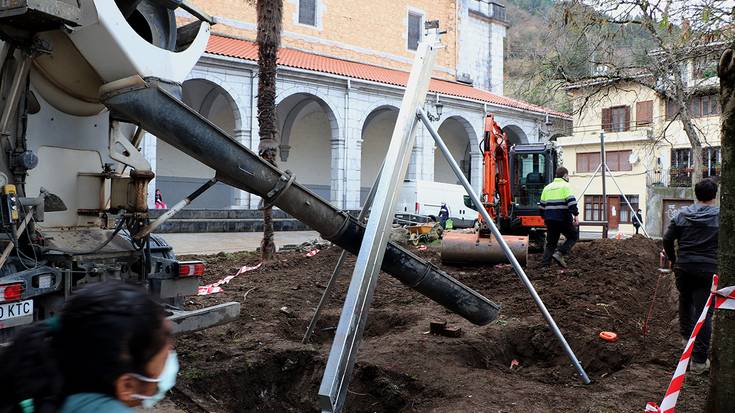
[(105, 330)]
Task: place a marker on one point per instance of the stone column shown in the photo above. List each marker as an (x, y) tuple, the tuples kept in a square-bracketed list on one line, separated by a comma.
[(338, 165), (477, 171), (240, 198), (357, 105), (253, 200)]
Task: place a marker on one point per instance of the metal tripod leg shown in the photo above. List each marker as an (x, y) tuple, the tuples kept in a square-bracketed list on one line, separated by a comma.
[(506, 249), (594, 175), (634, 213), (340, 262)]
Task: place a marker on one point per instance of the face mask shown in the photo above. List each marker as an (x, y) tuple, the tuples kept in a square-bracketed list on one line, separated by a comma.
[(566, 178), (165, 381)]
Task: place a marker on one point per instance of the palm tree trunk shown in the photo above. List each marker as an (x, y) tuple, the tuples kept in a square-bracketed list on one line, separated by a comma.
[(721, 397), (270, 14)]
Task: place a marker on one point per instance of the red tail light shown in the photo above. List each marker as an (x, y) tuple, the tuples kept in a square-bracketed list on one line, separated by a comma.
[(191, 268), (417, 208), (11, 292)]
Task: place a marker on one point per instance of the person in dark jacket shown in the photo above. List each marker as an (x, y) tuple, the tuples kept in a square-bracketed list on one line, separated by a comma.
[(559, 209), (109, 350), (695, 229), (443, 214), (637, 222)]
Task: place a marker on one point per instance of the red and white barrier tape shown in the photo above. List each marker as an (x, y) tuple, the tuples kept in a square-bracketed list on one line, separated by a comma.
[(724, 299), (312, 252), (216, 287)]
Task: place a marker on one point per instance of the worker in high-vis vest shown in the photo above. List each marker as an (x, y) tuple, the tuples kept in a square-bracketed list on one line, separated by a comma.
[(559, 209)]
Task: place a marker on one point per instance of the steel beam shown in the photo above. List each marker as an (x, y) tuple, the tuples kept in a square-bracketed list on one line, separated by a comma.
[(337, 374)]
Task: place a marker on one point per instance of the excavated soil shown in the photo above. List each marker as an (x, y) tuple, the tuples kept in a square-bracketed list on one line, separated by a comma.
[(258, 363)]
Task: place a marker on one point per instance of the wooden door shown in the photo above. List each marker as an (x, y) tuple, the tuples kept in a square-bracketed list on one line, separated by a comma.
[(613, 211)]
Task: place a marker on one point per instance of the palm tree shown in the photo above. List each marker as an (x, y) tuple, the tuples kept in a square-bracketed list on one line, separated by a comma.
[(270, 14)]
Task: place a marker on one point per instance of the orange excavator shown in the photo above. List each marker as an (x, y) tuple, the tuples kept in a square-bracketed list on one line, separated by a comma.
[(513, 179)]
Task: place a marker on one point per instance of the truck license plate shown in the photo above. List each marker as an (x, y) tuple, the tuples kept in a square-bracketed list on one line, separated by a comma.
[(14, 314)]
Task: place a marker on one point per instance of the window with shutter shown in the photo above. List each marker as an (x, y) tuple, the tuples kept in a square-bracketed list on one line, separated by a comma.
[(626, 217), (588, 162), (307, 12), (618, 160), (607, 119), (593, 207), (644, 113), (672, 109), (695, 108), (414, 30), (620, 118)]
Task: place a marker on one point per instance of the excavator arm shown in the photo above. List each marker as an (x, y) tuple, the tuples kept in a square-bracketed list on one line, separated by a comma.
[(496, 170)]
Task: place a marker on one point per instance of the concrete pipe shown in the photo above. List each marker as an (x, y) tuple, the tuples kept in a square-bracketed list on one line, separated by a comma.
[(461, 248), (149, 104)]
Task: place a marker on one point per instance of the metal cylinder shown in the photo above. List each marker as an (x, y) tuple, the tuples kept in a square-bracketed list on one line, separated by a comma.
[(462, 248), (166, 117)]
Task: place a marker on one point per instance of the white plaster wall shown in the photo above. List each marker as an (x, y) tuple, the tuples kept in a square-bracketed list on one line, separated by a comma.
[(481, 46), (474, 51), (375, 141), (310, 154), (497, 58), (172, 162), (456, 139)]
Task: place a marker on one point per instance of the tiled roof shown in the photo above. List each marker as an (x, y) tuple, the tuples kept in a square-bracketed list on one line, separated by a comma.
[(243, 49)]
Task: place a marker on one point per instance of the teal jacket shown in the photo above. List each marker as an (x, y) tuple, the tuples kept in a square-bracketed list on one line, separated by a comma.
[(557, 201), (93, 403)]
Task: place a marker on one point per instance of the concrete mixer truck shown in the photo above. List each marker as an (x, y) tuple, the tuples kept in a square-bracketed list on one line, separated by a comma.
[(82, 82)]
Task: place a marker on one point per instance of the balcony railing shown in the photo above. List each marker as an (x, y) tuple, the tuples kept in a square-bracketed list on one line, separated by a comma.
[(677, 177)]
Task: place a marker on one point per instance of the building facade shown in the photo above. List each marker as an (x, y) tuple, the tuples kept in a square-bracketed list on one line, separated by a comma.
[(342, 73), (647, 150)]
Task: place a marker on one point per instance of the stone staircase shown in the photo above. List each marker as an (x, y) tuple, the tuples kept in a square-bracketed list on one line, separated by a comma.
[(225, 220)]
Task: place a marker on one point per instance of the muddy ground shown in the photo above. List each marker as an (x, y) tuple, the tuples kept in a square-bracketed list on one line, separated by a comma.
[(258, 364)]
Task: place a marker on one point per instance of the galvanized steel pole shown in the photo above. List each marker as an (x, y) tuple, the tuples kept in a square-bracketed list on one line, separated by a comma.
[(603, 161), (338, 371)]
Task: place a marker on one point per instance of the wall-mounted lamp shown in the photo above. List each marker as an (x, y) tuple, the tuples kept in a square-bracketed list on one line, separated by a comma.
[(438, 106)]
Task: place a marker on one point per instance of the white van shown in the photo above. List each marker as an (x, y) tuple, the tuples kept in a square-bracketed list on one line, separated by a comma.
[(425, 198)]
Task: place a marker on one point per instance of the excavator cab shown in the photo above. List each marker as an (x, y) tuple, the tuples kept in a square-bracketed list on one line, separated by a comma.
[(532, 167)]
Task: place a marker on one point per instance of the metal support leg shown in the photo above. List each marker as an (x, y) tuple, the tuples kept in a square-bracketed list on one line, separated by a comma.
[(594, 175), (16, 88), (506, 249), (174, 210), (634, 213), (340, 262), (333, 389)]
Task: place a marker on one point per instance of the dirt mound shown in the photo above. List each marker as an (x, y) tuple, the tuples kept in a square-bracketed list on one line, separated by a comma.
[(259, 364)]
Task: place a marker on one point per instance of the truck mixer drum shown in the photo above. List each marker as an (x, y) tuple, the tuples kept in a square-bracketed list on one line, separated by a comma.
[(461, 248)]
